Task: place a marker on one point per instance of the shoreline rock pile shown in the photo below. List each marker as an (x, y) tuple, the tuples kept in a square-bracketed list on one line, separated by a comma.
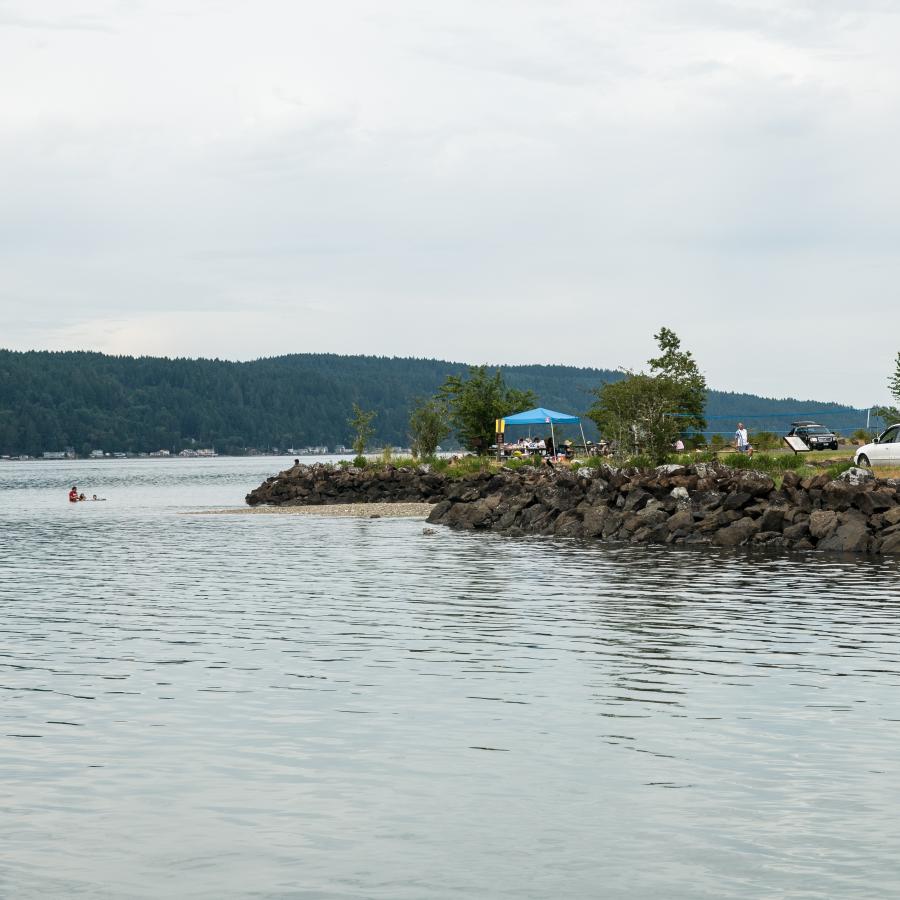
[(700, 504)]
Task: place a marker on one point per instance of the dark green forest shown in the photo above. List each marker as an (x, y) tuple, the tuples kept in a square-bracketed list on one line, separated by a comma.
[(50, 400)]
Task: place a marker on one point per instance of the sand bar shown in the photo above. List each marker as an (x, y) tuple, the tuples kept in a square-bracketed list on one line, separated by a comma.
[(334, 510)]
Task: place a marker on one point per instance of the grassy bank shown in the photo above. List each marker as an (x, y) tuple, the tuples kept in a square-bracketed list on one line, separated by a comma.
[(774, 463)]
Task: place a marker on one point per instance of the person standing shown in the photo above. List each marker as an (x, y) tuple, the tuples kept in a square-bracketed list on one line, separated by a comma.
[(73, 495), (742, 440)]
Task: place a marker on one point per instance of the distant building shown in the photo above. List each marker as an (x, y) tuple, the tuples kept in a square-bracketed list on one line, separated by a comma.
[(96, 454), (160, 453), (54, 454)]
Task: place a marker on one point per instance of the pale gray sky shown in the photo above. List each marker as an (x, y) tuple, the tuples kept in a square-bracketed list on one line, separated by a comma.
[(520, 181)]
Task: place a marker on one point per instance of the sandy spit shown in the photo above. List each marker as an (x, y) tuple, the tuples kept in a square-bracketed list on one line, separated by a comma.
[(336, 510)]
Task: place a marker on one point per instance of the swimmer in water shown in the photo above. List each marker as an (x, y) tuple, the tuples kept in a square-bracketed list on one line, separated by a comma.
[(73, 495)]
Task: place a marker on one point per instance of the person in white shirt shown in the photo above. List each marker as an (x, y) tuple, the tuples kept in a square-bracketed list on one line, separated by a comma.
[(742, 440)]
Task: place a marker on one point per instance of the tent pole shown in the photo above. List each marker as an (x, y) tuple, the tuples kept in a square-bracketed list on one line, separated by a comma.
[(553, 438), (583, 441)]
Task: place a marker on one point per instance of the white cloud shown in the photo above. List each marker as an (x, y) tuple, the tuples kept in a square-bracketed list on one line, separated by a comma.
[(522, 181)]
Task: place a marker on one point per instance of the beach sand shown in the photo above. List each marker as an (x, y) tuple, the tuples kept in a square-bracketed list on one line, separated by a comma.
[(334, 510)]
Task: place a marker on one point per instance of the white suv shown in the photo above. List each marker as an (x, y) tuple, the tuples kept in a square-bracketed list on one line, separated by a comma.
[(885, 451)]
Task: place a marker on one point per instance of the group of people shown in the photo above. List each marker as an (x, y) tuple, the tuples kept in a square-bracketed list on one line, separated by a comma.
[(75, 497), (541, 446)]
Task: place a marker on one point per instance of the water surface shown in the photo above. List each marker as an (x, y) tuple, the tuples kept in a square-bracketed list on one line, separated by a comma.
[(285, 707)]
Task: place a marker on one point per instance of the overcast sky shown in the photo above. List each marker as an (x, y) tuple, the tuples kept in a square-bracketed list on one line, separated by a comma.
[(487, 181)]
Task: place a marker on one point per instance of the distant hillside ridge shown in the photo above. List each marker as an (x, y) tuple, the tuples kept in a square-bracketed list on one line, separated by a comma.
[(85, 400)]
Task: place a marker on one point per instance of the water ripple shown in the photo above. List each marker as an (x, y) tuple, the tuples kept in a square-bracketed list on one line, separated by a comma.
[(224, 707)]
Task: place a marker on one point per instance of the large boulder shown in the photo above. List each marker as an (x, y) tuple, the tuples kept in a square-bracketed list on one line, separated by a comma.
[(737, 533), (772, 519), (822, 523), (851, 536), (871, 502), (855, 475)]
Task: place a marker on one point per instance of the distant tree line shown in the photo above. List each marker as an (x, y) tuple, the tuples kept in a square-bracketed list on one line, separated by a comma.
[(54, 400)]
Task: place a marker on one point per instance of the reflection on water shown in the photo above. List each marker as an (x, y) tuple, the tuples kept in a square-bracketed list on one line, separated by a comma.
[(210, 706)]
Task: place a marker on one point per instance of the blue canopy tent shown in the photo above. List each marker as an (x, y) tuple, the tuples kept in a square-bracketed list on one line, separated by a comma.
[(541, 416)]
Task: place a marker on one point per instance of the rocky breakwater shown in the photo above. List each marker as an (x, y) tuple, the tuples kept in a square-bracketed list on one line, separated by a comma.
[(318, 485), (702, 504)]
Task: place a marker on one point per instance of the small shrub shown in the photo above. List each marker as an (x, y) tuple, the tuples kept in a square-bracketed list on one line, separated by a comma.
[(361, 423), (360, 461), (520, 462), (738, 461), (590, 462), (790, 461), (765, 440), (839, 468), (468, 465), (641, 461)]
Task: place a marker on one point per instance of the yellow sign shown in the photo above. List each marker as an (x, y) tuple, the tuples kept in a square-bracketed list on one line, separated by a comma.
[(499, 426)]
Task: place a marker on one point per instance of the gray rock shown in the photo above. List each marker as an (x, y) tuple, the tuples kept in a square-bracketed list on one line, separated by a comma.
[(871, 502), (822, 523), (772, 519), (737, 500), (851, 536), (683, 520), (669, 469), (754, 483), (856, 475), (892, 516), (681, 495), (891, 544), (736, 534), (798, 531)]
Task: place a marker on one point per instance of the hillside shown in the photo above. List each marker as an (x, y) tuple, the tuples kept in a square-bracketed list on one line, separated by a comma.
[(51, 400)]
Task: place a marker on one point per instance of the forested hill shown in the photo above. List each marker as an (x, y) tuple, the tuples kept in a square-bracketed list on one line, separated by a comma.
[(49, 401)]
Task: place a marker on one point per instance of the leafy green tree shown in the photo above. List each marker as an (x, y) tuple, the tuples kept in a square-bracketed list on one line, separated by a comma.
[(638, 415), (476, 402), (428, 426), (361, 423), (645, 414), (679, 367)]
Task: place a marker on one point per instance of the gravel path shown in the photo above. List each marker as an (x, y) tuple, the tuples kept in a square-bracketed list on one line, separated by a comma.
[(343, 510)]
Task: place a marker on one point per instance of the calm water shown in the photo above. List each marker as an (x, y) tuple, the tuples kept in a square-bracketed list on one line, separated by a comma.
[(283, 707)]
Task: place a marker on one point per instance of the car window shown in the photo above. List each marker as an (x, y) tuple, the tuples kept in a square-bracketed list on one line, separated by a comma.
[(890, 436)]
